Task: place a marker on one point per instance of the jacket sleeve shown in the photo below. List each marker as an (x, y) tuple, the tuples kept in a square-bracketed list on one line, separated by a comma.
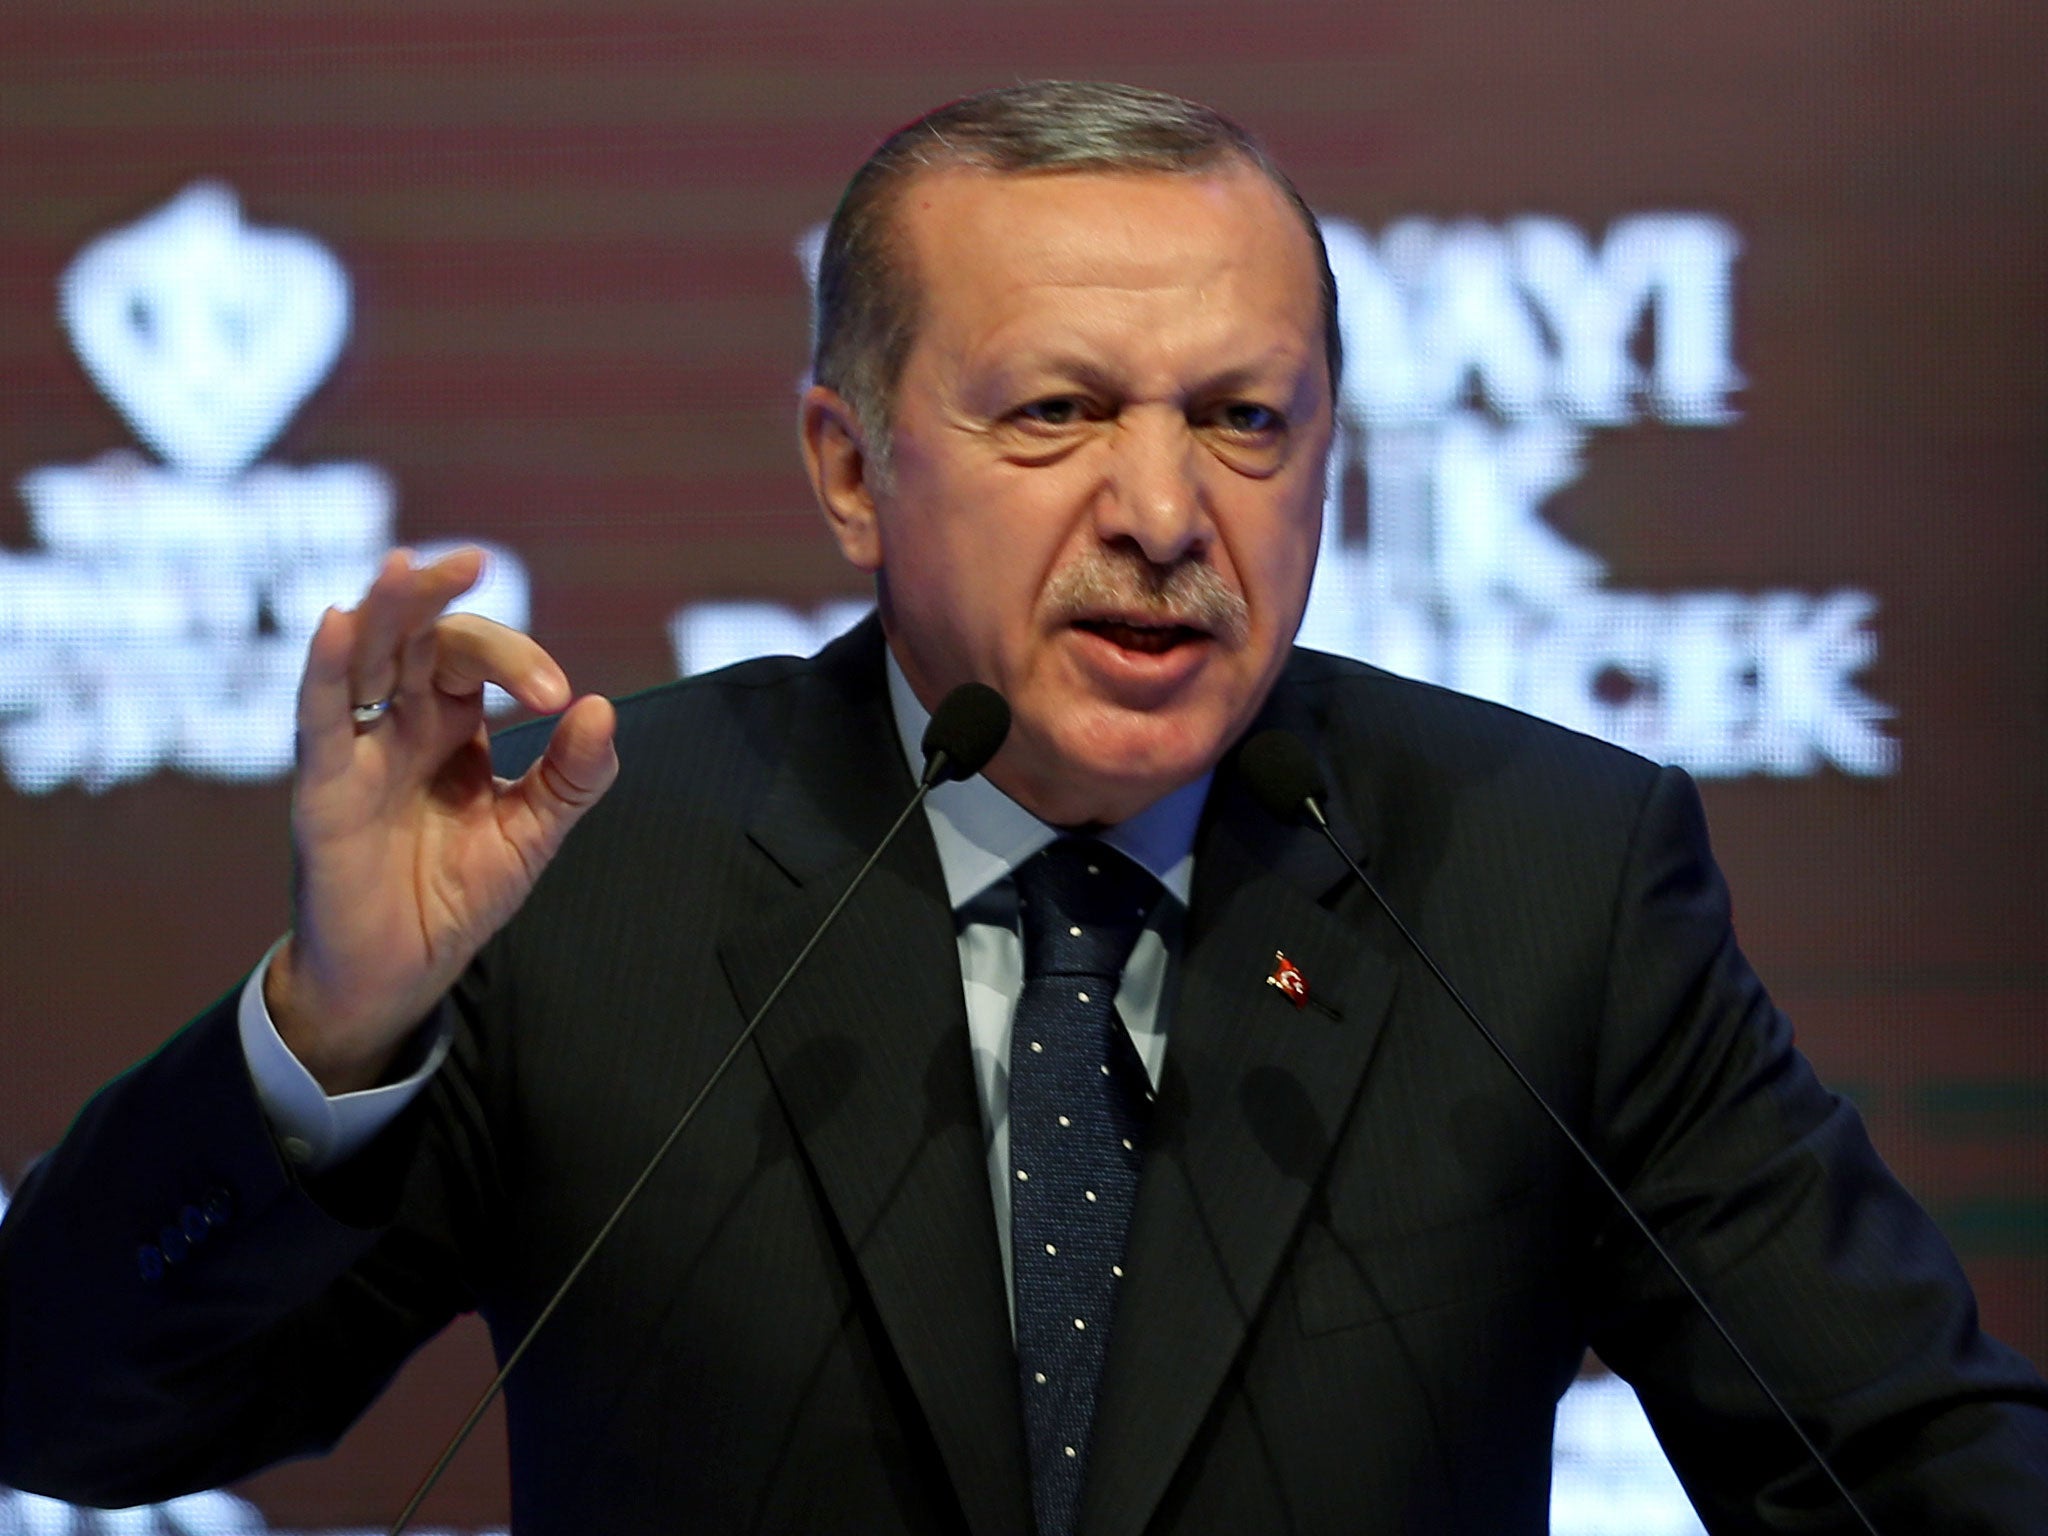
[(1767, 1190), (178, 1309)]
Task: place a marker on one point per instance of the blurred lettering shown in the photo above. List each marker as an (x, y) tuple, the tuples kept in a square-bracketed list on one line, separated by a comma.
[(162, 617), (1478, 359)]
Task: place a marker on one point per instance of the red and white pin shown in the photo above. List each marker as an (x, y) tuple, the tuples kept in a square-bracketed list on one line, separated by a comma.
[(1288, 978)]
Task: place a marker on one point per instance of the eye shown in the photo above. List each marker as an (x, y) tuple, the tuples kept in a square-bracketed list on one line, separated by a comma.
[(1246, 418), (1058, 411)]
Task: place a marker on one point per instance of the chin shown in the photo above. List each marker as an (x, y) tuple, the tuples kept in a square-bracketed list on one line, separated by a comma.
[(1108, 768)]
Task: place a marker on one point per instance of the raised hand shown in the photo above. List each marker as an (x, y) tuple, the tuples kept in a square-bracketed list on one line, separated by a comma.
[(410, 852)]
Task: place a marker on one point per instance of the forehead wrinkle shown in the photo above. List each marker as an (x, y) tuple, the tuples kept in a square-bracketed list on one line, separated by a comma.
[(1216, 314), (1123, 229), (1189, 360), (1079, 259), (1051, 269)]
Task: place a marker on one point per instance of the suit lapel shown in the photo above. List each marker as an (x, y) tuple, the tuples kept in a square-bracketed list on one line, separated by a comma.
[(868, 1050), (1253, 1098)]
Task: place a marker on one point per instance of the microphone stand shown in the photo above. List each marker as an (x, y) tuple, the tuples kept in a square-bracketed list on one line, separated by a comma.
[(965, 732)]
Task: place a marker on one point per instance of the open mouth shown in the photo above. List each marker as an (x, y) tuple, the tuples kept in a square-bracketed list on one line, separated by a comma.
[(1150, 639)]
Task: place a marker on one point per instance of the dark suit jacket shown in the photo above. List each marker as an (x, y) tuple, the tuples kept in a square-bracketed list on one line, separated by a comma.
[(1362, 1266)]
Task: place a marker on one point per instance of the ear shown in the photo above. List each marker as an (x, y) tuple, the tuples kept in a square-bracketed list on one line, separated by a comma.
[(836, 457)]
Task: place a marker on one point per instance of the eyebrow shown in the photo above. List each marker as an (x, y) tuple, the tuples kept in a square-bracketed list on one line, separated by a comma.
[(1090, 375)]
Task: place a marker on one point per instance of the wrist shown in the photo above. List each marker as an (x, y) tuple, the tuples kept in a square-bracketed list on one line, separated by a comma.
[(314, 1030)]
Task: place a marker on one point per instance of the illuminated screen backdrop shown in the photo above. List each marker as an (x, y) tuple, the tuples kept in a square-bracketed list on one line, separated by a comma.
[(1696, 398)]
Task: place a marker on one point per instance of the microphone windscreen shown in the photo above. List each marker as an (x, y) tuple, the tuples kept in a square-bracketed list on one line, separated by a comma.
[(1281, 772), (968, 727)]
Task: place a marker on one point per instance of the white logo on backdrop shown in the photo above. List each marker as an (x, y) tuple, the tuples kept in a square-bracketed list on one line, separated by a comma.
[(1478, 360), (162, 620)]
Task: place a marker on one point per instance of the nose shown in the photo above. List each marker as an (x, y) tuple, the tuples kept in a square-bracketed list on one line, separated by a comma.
[(1153, 496)]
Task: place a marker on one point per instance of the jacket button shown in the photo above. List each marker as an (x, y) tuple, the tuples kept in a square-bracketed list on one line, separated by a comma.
[(149, 1263), (219, 1207), (192, 1222), (174, 1243)]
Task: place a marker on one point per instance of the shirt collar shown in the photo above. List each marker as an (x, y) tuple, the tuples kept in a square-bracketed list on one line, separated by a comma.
[(983, 834)]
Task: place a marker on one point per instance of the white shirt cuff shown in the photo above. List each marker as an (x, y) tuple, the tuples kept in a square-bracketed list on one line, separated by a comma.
[(314, 1130)]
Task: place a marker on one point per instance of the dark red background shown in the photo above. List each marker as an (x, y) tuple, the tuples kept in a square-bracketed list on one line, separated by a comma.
[(579, 327)]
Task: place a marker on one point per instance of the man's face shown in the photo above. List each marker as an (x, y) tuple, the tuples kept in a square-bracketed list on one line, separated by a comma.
[(1107, 475)]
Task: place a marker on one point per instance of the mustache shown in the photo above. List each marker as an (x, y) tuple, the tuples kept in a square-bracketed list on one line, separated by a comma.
[(1122, 582)]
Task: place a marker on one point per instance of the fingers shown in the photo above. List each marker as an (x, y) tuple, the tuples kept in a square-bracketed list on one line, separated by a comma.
[(397, 643), (579, 765), (326, 733), (369, 652), (400, 607), (472, 651)]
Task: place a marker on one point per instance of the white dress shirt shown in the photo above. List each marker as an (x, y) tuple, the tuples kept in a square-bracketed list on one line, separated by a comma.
[(982, 835)]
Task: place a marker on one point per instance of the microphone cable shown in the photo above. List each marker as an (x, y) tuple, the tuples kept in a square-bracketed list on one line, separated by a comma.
[(1281, 772)]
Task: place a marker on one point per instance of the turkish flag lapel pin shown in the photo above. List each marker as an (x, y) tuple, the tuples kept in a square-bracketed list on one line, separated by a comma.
[(1288, 978)]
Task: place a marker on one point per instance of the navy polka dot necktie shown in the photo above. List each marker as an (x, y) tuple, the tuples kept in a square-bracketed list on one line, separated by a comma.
[(1078, 1107)]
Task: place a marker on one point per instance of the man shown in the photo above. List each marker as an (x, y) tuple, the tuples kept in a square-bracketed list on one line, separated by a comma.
[(1076, 369)]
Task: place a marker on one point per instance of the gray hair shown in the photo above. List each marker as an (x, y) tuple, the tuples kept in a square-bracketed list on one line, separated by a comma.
[(866, 312)]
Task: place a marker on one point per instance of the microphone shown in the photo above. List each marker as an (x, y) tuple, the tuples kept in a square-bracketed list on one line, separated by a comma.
[(1281, 772), (1283, 776), (966, 730)]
